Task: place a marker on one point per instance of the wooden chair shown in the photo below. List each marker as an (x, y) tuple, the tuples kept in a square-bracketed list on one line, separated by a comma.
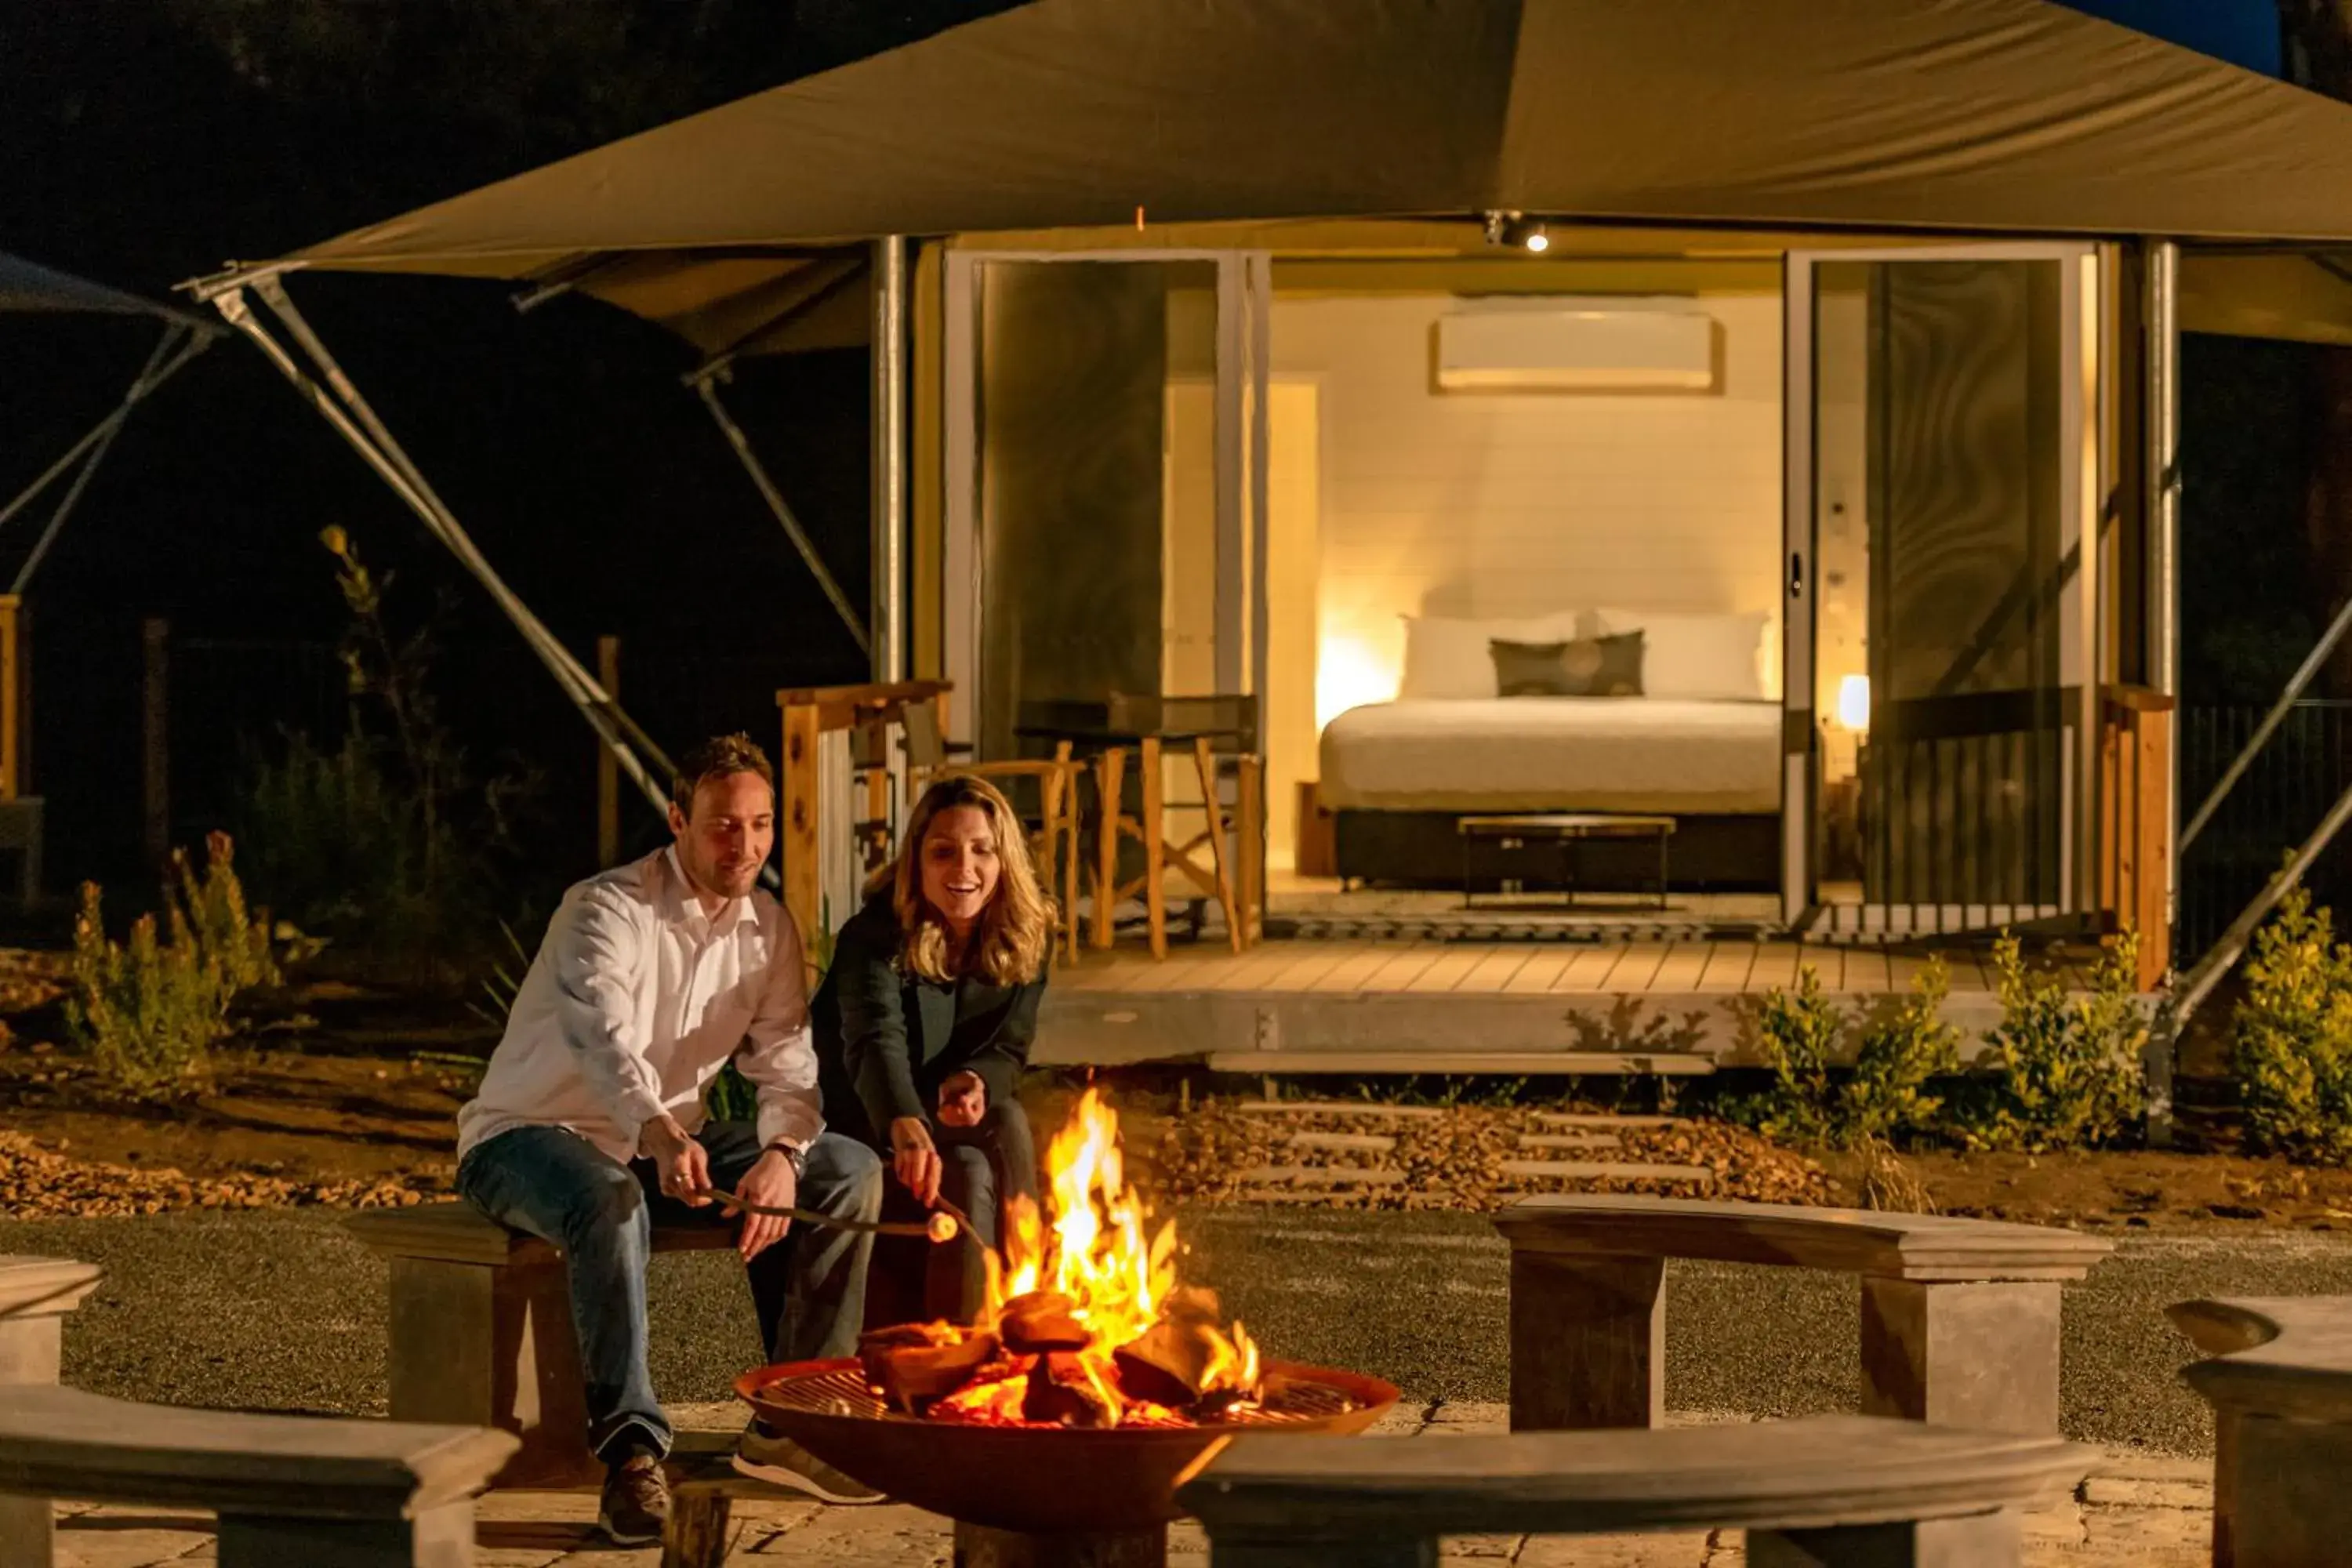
[(1214, 729), (1053, 833)]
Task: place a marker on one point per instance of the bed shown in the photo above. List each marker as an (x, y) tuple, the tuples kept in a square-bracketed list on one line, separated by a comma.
[(1702, 745)]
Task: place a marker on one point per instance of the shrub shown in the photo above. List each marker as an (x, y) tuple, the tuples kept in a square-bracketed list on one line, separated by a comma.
[(2291, 1037), (2067, 1069), (148, 1014), (1897, 1054)]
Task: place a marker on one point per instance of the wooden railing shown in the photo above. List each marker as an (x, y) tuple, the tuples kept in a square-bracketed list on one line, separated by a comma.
[(2135, 821), (835, 789)]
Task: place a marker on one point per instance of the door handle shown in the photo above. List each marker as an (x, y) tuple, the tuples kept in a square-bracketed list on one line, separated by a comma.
[(1796, 574)]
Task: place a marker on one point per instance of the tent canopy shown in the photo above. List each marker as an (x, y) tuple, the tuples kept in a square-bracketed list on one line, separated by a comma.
[(29, 287), (1978, 116)]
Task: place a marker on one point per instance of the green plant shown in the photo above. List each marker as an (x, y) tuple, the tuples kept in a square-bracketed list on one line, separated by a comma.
[(1897, 1053), (149, 1012), (2065, 1070), (381, 843), (2291, 1037)]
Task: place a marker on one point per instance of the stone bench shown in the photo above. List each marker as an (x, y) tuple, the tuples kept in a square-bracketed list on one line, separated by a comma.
[(2281, 1388), (288, 1488), (36, 1294), (1836, 1492), (1959, 1317), (481, 1332)]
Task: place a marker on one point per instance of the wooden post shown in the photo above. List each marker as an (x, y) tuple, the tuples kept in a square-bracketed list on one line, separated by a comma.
[(2135, 822), (1588, 1342), (608, 766), (1251, 830), (11, 722), (804, 874), (156, 635)]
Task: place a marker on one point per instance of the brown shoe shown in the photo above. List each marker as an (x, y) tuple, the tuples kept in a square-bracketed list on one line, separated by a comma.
[(634, 1509)]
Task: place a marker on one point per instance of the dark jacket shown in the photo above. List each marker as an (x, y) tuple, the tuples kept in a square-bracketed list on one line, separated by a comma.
[(885, 1040)]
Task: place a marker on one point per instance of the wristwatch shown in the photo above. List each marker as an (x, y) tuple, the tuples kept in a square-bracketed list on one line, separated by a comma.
[(795, 1154)]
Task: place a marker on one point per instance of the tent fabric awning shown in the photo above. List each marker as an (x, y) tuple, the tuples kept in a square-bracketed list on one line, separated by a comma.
[(28, 286), (1982, 117)]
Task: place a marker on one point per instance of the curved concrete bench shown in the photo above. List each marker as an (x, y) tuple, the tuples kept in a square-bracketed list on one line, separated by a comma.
[(1837, 1491), (2282, 1397), (481, 1335), (36, 1294), (1959, 1317), (289, 1488)]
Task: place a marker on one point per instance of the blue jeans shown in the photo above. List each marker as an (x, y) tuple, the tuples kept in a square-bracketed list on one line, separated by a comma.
[(809, 1289)]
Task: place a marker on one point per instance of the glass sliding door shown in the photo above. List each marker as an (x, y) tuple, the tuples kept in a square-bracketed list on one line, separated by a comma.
[(1103, 467), (1940, 471)]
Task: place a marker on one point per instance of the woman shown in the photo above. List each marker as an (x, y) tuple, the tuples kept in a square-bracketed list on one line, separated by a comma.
[(924, 1021)]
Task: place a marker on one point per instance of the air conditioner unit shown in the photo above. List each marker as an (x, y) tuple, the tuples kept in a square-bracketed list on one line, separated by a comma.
[(1575, 351)]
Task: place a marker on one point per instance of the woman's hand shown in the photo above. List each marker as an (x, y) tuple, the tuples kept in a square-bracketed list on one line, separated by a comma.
[(915, 1157), (963, 1100)]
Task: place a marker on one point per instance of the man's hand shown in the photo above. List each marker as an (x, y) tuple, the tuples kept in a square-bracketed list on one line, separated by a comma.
[(770, 1182), (685, 1167), (963, 1100), (915, 1157)]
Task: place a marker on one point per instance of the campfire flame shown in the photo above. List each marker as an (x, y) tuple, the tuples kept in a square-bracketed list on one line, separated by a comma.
[(1081, 1303)]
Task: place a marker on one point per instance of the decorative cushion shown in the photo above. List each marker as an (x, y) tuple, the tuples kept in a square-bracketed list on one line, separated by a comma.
[(1710, 657), (1446, 657), (1580, 666)]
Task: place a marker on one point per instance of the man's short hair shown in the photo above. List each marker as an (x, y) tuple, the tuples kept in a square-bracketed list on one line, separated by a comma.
[(717, 758)]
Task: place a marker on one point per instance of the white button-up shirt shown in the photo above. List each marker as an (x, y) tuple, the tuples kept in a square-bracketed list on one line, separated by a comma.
[(635, 1001)]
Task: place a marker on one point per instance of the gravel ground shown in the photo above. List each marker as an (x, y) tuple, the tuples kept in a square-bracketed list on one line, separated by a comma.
[(276, 1310)]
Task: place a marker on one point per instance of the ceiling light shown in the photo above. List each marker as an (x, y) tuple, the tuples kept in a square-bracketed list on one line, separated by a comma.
[(1517, 231)]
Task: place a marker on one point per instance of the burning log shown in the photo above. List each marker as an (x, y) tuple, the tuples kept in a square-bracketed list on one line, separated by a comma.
[(1064, 1391), (912, 1375), (1169, 1364), (1041, 1322)]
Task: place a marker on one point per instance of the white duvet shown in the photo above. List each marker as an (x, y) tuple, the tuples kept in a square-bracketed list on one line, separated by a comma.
[(1554, 754)]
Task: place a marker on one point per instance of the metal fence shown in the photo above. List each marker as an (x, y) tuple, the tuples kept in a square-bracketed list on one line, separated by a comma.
[(2299, 773)]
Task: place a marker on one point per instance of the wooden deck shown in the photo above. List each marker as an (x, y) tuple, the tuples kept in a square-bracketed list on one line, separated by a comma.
[(1492, 1006)]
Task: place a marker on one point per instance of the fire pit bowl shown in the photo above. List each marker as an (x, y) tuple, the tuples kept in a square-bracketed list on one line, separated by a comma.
[(1034, 1481)]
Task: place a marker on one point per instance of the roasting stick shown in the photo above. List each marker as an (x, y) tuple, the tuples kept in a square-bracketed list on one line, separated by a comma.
[(940, 1227), (945, 1225)]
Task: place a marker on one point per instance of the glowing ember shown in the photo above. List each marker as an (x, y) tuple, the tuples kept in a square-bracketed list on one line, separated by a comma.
[(1086, 1324)]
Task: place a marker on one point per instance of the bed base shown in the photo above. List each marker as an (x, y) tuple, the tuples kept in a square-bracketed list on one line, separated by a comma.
[(1423, 849)]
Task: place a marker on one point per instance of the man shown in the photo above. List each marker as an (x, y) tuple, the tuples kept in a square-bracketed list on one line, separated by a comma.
[(589, 1121)]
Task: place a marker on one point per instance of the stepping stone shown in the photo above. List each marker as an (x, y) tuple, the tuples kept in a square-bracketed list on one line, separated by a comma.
[(1568, 1140), (1571, 1119), (1344, 1142), (1335, 1108), (1322, 1176), (1605, 1170)]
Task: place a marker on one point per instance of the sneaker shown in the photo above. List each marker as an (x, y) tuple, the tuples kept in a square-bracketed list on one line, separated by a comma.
[(634, 1509), (766, 1456)]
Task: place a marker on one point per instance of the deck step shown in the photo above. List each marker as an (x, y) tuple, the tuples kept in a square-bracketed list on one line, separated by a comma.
[(1320, 1176), (1605, 1170), (1335, 1108), (1517, 1064), (1344, 1142), (1568, 1140)]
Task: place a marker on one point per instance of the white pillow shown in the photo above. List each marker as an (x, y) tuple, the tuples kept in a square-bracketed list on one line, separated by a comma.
[(1446, 659), (1710, 658)]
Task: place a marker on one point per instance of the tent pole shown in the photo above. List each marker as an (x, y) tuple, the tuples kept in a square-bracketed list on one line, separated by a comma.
[(593, 704), (706, 387), (103, 431), (150, 376), (452, 533), (889, 520)]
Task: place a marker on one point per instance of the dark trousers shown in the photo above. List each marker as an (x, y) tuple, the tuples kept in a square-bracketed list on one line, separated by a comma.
[(809, 1289), (979, 1168)]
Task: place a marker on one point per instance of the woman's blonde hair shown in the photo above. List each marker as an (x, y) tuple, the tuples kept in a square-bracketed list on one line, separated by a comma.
[(1009, 948)]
